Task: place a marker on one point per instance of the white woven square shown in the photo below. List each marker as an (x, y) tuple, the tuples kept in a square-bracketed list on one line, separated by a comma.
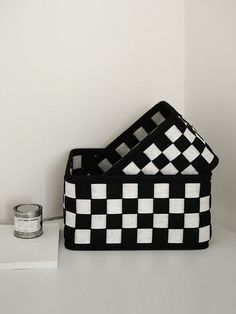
[(114, 206), (204, 234), (129, 220), (191, 220), (171, 152), (158, 118), (113, 236), (175, 236), (176, 205), (191, 153), (83, 206), (70, 190), (192, 190), (169, 170), (98, 191), (140, 134), (130, 190), (204, 203), (82, 236), (98, 222), (207, 155), (105, 165), (123, 149), (70, 219), (77, 162), (189, 170), (150, 169), (144, 236), (189, 135), (131, 169), (161, 190), (160, 220), (145, 205), (152, 152), (173, 133)]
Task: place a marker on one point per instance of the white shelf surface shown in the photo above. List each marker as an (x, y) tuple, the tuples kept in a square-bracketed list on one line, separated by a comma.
[(128, 282)]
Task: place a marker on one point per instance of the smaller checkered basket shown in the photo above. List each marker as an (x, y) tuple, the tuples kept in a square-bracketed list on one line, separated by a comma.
[(160, 142)]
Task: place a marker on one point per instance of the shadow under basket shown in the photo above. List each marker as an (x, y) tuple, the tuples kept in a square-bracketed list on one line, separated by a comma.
[(119, 212)]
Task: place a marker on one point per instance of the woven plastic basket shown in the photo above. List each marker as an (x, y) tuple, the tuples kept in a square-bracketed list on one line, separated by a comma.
[(160, 142), (108, 211)]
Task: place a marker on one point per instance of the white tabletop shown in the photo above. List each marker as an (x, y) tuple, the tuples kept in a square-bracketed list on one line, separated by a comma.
[(128, 282)]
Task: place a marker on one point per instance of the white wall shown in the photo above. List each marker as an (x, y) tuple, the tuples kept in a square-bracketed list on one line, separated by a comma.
[(75, 73), (211, 92)]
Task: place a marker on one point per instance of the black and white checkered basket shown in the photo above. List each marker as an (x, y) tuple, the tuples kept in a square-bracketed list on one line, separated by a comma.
[(160, 142), (103, 212)]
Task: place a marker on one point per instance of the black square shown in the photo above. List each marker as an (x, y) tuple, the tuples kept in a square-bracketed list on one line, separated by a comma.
[(145, 190), (78, 172), (160, 236), (191, 236), (180, 163), (70, 204), (145, 221), (161, 161), (176, 221), (98, 206), (182, 143), (98, 237), (191, 205), (114, 190), (180, 125), (131, 141), (200, 164), (96, 170), (129, 237), (69, 234), (130, 206), (83, 221), (141, 160), (149, 125), (83, 190), (205, 188), (87, 158), (205, 218), (177, 190), (163, 142), (199, 145), (113, 157), (161, 205), (114, 221)]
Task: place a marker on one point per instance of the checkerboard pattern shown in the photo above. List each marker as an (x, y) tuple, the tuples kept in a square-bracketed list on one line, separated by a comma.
[(179, 150), (130, 215), (145, 148), (129, 142)]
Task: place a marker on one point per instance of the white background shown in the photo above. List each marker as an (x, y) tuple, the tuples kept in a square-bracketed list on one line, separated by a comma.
[(211, 92), (76, 73)]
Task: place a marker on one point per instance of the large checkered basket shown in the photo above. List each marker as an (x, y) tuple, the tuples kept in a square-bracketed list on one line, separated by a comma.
[(133, 211)]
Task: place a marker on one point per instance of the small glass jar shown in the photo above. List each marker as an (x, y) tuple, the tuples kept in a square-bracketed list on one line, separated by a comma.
[(28, 221)]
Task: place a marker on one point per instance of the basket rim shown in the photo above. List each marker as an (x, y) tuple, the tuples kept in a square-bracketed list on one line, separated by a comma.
[(105, 178)]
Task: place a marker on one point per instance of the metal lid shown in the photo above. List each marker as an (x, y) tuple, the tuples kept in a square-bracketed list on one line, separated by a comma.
[(28, 210)]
